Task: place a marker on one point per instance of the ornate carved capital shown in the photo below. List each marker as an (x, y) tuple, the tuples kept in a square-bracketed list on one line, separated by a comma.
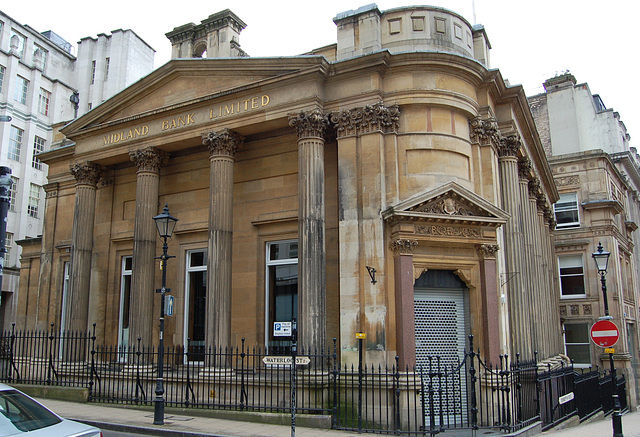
[(509, 145), (86, 173), (487, 250), (541, 202), (403, 246), (534, 187), (524, 168), (309, 124), (484, 131), (224, 142), (149, 159), (369, 118)]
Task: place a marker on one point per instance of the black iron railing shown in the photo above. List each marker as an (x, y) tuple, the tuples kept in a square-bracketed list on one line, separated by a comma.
[(432, 397)]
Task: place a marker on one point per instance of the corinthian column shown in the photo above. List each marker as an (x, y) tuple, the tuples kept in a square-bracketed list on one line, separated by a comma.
[(310, 127), (222, 148), (148, 160), (77, 308)]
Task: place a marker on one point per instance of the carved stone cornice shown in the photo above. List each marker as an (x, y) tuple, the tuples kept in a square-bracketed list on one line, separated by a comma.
[(487, 250), (509, 145), (149, 159), (86, 173), (403, 246), (524, 168), (369, 118), (484, 131), (310, 124), (534, 187), (224, 142)]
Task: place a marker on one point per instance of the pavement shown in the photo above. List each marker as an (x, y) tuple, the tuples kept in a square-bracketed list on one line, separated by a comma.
[(127, 419)]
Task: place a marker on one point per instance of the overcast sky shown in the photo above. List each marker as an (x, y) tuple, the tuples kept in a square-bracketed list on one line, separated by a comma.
[(597, 41)]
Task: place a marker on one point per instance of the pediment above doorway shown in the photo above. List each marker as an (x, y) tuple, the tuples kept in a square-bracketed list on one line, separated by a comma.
[(450, 203)]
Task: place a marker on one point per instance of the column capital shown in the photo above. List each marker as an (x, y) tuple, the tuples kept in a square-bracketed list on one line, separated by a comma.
[(86, 173), (365, 119), (524, 168), (534, 187), (487, 250), (311, 123), (403, 246), (223, 142), (149, 159), (509, 145), (484, 131)]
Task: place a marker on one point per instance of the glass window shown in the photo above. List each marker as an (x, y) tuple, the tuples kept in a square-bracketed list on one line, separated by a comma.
[(93, 72), (8, 243), (34, 200), (566, 211), (125, 302), (38, 147), (15, 143), (23, 413), (282, 291), (21, 90), (39, 51), (576, 343), (2, 70), (106, 69), (571, 276), (43, 101), (13, 191), (196, 305), (20, 41)]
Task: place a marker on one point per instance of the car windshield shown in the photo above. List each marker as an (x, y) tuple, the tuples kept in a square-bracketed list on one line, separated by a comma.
[(22, 413)]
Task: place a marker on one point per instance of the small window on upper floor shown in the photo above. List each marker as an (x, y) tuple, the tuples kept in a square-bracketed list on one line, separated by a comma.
[(566, 211), (571, 276), (17, 43)]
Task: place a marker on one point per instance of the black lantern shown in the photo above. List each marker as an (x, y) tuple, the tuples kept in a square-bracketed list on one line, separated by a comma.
[(601, 257), (165, 223)]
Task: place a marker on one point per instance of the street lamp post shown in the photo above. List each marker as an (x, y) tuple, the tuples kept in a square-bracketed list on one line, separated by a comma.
[(165, 223), (601, 257), (5, 187)]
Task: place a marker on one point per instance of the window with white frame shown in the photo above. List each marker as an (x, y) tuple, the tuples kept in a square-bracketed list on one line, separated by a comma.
[(282, 291), (22, 87), (93, 72), (40, 50), (13, 192), (43, 101), (566, 211), (125, 303), (195, 306), (106, 69), (15, 143), (2, 70), (576, 343), (38, 147), (571, 276), (8, 244), (34, 200), (21, 42)]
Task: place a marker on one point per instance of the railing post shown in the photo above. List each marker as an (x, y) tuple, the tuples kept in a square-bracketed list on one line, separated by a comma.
[(93, 363), (334, 421), (473, 379), (396, 382), (243, 390), (50, 358)]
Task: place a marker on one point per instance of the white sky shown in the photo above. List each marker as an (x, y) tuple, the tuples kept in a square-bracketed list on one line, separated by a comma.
[(597, 41)]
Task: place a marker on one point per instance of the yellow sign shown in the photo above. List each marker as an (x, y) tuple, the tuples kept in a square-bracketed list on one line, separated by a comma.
[(609, 350), (361, 335)]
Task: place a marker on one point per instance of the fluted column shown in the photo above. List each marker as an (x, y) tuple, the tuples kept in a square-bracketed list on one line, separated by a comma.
[(311, 126), (533, 263), (149, 161), (77, 310), (514, 244), (222, 149)]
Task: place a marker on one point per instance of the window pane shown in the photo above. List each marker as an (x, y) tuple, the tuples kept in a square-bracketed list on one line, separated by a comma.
[(576, 333), (280, 251), (579, 353), (572, 285)]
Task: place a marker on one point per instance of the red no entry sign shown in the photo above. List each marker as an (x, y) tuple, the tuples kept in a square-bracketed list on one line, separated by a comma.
[(604, 333)]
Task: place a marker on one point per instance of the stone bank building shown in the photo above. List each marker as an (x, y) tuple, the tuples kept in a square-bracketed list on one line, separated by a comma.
[(391, 183)]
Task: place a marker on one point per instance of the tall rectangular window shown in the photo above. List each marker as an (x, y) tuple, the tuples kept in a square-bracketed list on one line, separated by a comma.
[(43, 101), (566, 211), (15, 143), (195, 307), (34, 200), (576, 343), (8, 244), (13, 191), (125, 302), (106, 69), (21, 42), (571, 276), (93, 72), (22, 87), (38, 147), (282, 291), (2, 70)]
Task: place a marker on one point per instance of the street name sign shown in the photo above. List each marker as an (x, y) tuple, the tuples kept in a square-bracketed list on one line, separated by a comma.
[(604, 333), (285, 361)]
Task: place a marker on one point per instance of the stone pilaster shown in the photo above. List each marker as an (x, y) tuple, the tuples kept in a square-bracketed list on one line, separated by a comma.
[(490, 305), (76, 313), (311, 127), (405, 312), (148, 161), (222, 146)]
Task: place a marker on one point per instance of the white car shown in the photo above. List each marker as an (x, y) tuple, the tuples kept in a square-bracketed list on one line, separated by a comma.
[(21, 415)]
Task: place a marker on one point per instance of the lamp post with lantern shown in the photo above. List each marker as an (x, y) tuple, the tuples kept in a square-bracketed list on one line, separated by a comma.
[(165, 223), (601, 258)]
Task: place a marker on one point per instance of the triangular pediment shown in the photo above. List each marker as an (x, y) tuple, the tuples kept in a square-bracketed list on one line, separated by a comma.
[(451, 203), (183, 82)]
